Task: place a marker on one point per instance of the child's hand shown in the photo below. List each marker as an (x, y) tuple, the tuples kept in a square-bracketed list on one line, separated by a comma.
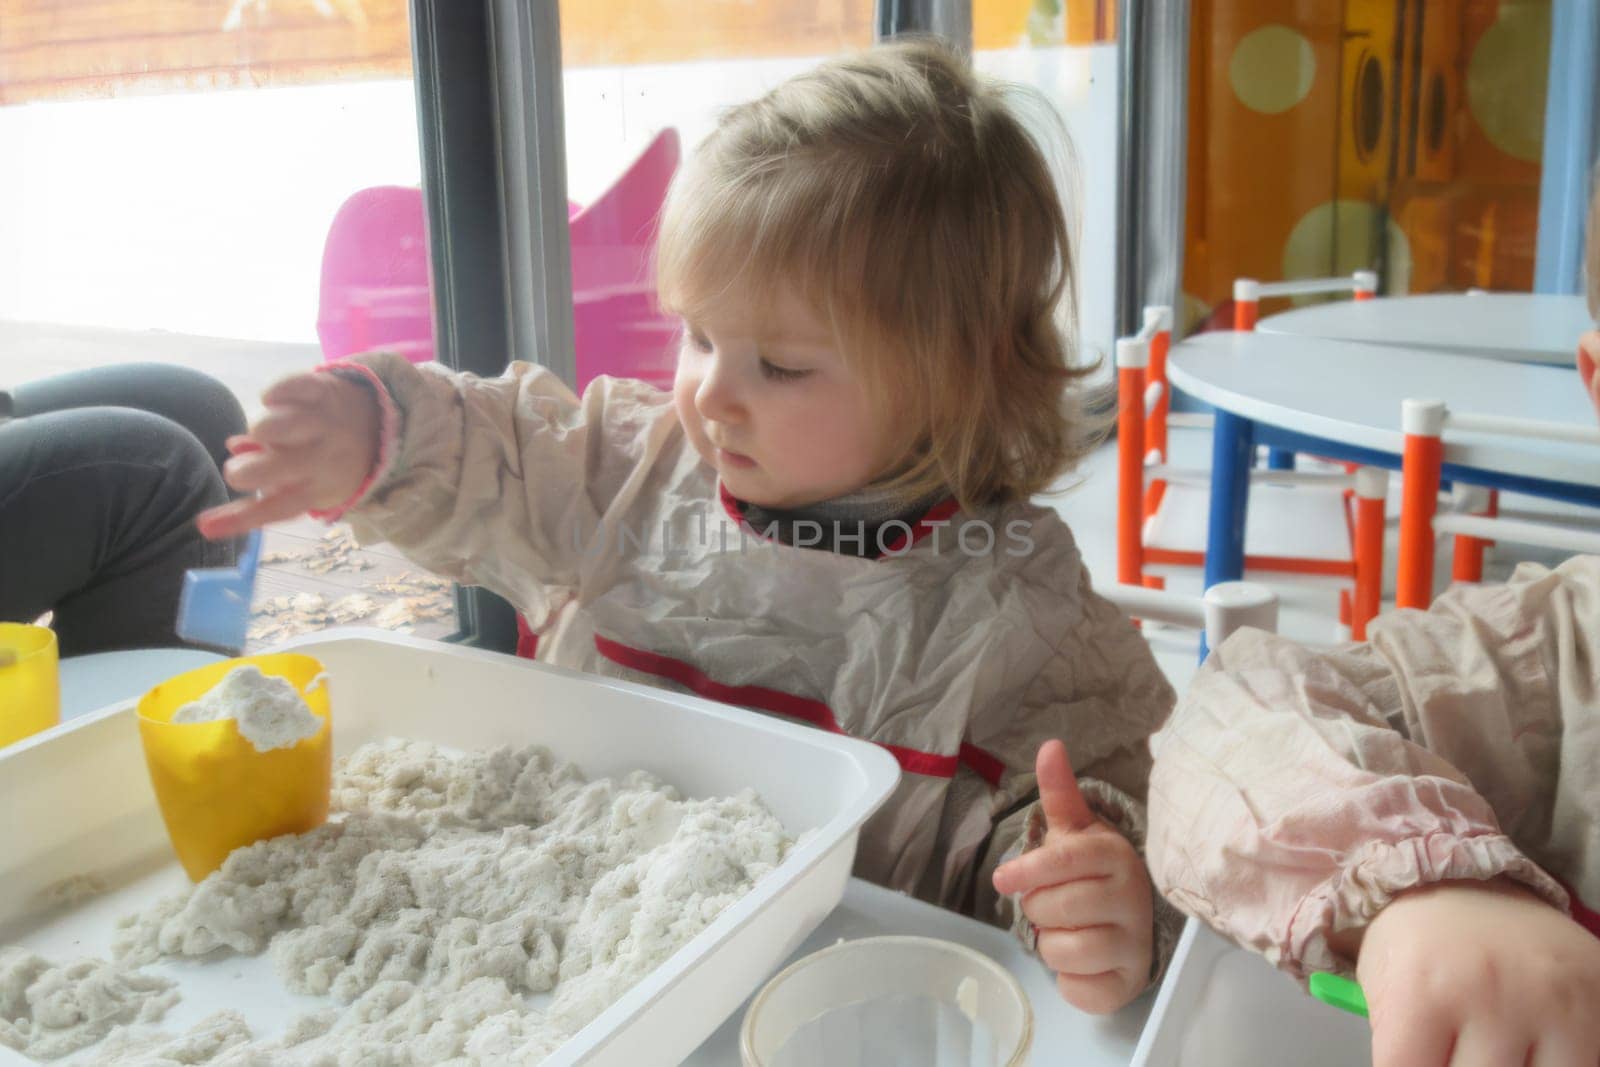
[(1480, 973), (1088, 894), (1588, 356), (312, 449)]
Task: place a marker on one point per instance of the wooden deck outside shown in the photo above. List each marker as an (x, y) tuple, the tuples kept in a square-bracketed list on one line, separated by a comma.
[(59, 50)]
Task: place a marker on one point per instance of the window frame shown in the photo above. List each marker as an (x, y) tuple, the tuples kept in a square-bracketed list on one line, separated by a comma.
[(489, 121)]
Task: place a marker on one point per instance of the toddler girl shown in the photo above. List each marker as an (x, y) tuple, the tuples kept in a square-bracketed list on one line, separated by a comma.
[(828, 517)]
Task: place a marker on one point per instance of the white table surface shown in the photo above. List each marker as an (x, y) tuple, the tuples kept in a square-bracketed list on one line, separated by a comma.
[(105, 678), (1522, 327), (1061, 1034), (1351, 393)]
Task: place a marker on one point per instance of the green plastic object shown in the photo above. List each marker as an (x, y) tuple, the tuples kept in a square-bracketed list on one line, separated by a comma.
[(1342, 993)]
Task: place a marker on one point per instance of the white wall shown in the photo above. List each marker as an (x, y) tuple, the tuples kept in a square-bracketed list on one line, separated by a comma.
[(206, 213)]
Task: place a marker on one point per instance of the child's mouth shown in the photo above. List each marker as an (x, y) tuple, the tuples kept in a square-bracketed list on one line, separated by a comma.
[(734, 459)]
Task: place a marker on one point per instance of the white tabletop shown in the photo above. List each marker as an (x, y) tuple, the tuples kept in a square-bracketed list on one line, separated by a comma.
[(1521, 327), (104, 678), (1351, 393), (1060, 1033)]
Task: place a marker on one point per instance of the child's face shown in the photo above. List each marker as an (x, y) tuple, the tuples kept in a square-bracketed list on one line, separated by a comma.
[(768, 401)]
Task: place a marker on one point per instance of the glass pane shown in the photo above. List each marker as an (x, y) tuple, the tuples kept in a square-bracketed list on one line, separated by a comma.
[(1393, 134), (231, 188), (1066, 50), (642, 85)]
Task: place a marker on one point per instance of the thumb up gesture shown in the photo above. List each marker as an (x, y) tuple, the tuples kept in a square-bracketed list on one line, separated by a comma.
[(1086, 891)]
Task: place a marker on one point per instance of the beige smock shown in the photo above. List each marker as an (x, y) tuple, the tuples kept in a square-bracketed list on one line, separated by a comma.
[(1296, 792)]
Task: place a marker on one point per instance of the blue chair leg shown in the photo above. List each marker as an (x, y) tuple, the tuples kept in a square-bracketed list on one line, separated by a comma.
[(1280, 459), (1232, 444)]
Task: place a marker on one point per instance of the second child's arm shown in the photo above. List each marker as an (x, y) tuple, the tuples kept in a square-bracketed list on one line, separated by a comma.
[(1396, 810)]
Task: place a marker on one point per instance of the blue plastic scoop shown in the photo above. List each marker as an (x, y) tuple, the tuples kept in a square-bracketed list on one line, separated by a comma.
[(214, 606)]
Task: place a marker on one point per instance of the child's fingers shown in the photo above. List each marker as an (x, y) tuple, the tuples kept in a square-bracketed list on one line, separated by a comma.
[(1559, 1049), (301, 389), (1058, 862), (240, 443), (286, 428), (1488, 1042), (265, 470), (1086, 902), (1065, 810), (1412, 1039), (241, 516), (1097, 994), (1097, 950)]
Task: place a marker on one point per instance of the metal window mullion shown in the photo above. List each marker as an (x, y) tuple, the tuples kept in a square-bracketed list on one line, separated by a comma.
[(526, 36), (1153, 46), (950, 19), (488, 85)]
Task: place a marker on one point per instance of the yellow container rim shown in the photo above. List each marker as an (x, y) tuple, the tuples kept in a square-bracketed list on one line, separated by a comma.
[(160, 704), (25, 641)]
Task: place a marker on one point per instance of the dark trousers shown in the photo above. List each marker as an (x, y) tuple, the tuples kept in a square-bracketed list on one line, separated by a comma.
[(102, 473)]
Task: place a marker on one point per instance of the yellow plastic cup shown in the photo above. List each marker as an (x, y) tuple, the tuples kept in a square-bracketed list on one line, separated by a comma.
[(30, 682), (217, 793)]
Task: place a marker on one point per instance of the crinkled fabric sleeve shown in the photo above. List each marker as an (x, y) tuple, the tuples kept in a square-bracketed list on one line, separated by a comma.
[(1295, 793), (506, 482), (1103, 694)]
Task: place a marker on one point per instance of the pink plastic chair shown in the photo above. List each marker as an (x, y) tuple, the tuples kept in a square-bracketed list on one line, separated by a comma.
[(375, 277), (375, 291), (617, 327)]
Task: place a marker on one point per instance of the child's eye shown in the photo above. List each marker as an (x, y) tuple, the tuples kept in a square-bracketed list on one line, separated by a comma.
[(698, 341), (781, 374)]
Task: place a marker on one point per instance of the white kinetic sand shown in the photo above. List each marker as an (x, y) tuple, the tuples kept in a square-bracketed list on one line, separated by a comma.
[(269, 711), (48, 1011), (452, 889)]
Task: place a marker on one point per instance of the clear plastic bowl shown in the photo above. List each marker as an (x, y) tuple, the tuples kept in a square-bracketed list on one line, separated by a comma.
[(886, 1001)]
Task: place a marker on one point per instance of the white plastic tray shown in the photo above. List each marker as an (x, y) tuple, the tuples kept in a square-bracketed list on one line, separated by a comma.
[(77, 801), (1221, 1006)]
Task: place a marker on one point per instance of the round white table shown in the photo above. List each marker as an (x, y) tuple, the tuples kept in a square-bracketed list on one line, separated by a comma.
[(1342, 400), (1519, 327)]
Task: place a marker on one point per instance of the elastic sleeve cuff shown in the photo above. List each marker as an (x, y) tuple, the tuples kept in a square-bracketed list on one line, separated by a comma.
[(388, 436), (1378, 873)]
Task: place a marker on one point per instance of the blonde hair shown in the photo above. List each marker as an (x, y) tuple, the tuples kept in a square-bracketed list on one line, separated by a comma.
[(899, 196)]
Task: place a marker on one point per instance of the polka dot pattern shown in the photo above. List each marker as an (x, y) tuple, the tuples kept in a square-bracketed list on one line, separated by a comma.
[(1272, 69)]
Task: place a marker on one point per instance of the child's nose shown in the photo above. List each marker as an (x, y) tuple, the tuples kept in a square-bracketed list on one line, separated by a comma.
[(718, 397)]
